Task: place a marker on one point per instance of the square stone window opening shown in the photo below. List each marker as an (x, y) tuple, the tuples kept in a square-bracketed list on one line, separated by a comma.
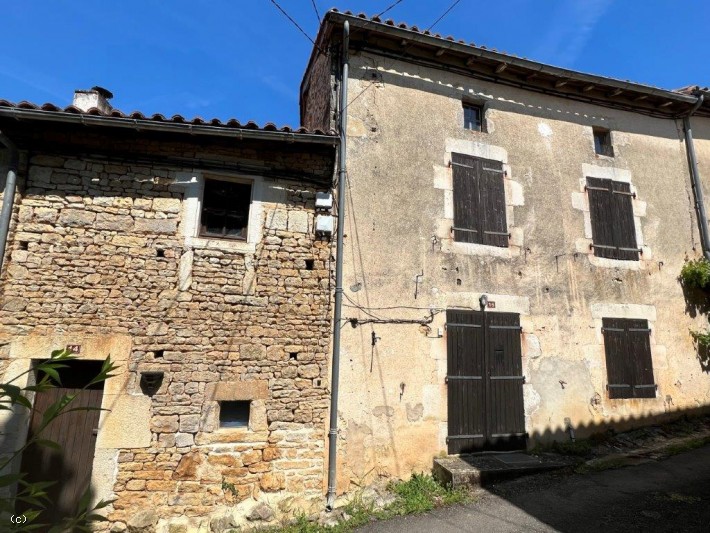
[(473, 117), (225, 208), (234, 414), (602, 142)]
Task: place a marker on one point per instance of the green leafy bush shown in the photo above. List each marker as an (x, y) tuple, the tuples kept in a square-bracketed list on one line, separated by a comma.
[(695, 274)]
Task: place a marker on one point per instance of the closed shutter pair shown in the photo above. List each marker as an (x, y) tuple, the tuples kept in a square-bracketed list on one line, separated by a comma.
[(629, 366), (479, 201), (612, 214)]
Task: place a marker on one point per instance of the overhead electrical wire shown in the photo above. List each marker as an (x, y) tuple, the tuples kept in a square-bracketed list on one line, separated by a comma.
[(442, 16), (297, 26), (316, 10), (390, 7)]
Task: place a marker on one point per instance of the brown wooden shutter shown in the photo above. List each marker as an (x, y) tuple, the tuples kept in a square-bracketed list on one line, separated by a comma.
[(466, 198), (611, 212), (479, 201), (600, 211), (506, 417), (465, 380), (639, 338), (495, 227), (623, 216), (628, 358)]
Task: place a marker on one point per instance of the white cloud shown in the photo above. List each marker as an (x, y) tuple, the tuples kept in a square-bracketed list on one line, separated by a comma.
[(570, 28)]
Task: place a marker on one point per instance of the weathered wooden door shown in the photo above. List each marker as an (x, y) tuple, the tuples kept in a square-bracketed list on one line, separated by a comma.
[(485, 382), (75, 432)]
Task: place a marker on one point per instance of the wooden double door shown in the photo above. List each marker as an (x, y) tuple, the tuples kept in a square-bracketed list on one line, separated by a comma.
[(485, 382), (69, 467)]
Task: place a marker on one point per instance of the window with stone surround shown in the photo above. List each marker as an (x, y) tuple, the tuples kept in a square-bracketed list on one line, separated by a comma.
[(234, 414), (629, 364), (612, 217), (194, 184), (479, 201), (225, 209)]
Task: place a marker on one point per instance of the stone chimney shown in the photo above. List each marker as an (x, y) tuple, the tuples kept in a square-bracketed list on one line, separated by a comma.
[(97, 97)]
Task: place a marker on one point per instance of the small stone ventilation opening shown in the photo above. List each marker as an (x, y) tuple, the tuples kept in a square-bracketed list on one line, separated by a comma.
[(24, 245), (158, 354), (309, 264), (293, 356), (234, 414), (160, 252)]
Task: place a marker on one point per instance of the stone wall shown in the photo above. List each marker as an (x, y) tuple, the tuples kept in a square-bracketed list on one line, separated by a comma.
[(318, 98), (97, 250)]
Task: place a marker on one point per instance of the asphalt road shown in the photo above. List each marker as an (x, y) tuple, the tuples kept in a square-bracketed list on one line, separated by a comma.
[(671, 495)]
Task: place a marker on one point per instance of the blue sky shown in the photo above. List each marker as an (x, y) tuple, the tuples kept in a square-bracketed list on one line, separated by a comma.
[(244, 59)]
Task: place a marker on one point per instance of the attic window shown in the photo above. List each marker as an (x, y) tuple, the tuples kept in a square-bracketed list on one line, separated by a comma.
[(602, 142), (472, 117), (225, 209), (234, 414)]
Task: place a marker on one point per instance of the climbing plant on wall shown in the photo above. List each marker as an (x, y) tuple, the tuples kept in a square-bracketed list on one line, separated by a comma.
[(695, 274)]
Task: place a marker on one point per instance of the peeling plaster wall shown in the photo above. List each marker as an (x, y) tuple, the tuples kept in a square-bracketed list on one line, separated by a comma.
[(404, 121)]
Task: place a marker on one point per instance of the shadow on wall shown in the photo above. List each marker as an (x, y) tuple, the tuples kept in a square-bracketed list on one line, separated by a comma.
[(697, 303), (599, 431)]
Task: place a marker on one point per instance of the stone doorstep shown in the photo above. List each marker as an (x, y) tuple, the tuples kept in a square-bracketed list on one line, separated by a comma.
[(481, 470)]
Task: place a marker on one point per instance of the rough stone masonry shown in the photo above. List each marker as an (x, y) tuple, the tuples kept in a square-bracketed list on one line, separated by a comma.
[(98, 258)]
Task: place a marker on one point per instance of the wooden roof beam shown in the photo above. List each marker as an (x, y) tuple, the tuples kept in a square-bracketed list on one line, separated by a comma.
[(666, 104), (501, 67), (440, 52), (615, 92), (588, 88), (560, 83)]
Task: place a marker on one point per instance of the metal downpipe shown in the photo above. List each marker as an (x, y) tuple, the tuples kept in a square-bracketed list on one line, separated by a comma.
[(8, 198), (337, 312), (695, 179)]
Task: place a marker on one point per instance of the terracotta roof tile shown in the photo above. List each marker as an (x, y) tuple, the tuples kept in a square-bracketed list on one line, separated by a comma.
[(157, 117)]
